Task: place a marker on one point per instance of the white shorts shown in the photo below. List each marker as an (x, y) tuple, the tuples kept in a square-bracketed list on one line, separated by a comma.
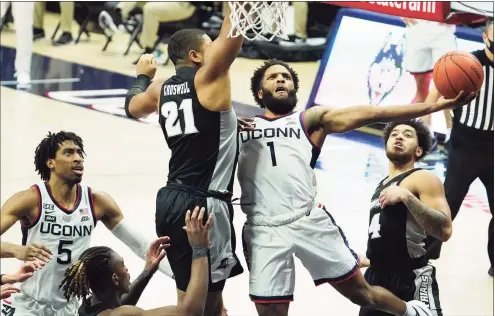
[(315, 239), (23, 305), (424, 47)]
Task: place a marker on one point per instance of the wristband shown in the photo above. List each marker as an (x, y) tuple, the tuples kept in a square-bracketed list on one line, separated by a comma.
[(199, 252), (142, 82), (140, 85)]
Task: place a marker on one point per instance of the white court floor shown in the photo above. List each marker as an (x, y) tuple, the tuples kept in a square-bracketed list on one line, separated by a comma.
[(129, 160)]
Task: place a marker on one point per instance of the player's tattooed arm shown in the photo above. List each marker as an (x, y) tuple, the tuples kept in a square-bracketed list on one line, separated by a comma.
[(431, 209), (435, 223)]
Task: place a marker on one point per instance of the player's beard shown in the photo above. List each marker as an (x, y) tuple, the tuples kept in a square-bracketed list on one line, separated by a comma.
[(279, 106), (399, 158)]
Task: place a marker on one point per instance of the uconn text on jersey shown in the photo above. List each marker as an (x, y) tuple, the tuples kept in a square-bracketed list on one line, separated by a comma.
[(270, 133)]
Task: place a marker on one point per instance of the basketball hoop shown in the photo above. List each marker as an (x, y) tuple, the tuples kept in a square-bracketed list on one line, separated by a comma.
[(257, 20)]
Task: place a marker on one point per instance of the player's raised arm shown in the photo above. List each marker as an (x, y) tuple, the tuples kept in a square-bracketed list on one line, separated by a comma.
[(342, 120), (194, 300), (19, 207), (143, 97), (221, 53), (154, 256)]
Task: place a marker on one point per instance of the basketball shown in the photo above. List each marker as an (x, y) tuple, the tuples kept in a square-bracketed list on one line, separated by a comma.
[(457, 71)]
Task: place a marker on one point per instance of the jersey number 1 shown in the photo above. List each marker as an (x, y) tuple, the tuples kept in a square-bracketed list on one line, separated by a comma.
[(272, 153), (172, 123)]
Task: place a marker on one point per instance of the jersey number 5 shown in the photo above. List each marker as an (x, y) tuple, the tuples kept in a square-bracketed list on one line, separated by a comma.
[(173, 125), (64, 251), (374, 228)]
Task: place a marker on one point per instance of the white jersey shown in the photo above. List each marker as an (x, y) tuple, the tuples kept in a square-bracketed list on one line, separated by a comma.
[(276, 162), (67, 233)]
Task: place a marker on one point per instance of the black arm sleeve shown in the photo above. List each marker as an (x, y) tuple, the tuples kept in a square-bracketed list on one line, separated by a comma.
[(140, 85)]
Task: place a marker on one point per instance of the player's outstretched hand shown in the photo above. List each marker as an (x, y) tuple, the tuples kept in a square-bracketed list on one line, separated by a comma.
[(197, 233), (33, 252), (26, 271), (245, 123), (146, 65), (7, 290), (461, 99), (156, 253)]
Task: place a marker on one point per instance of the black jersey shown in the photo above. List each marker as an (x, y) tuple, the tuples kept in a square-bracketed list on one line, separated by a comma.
[(395, 239), (203, 142)]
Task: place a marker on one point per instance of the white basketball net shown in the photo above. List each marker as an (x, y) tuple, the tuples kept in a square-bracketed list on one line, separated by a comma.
[(258, 20)]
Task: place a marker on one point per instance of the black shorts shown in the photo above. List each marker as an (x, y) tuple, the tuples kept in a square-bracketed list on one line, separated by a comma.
[(419, 284), (172, 203)]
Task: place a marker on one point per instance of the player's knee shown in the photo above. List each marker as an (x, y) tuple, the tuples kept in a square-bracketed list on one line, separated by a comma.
[(279, 309)]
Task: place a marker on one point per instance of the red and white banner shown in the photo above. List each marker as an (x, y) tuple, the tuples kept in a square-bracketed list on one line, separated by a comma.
[(425, 10)]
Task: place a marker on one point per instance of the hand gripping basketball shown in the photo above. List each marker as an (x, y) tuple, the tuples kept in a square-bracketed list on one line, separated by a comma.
[(460, 100), (458, 71)]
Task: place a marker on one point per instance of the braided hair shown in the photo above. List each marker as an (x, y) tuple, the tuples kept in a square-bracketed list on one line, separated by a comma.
[(92, 271), (48, 147)]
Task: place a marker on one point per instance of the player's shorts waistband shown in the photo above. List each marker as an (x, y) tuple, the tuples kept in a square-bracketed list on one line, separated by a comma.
[(223, 196), (398, 267), (278, 220)]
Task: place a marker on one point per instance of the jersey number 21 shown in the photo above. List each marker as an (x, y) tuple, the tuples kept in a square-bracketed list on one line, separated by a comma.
[(173, 125)]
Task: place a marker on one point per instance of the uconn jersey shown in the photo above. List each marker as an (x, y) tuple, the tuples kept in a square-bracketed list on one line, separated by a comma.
[(276, 162), (396, 241), (203, 142), (67, 233)]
